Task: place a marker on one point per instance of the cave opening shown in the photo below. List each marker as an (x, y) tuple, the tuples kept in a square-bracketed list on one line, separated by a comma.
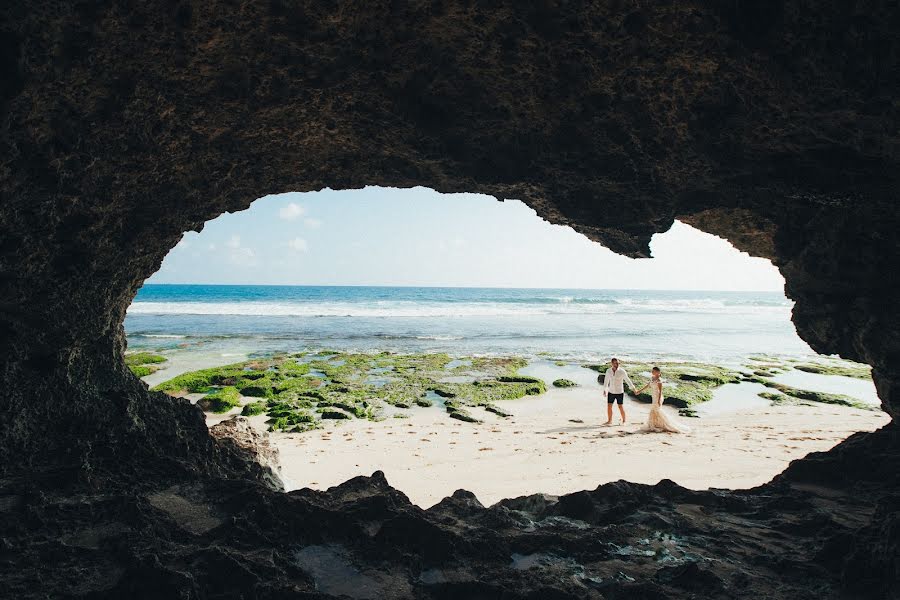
[(363, 330)]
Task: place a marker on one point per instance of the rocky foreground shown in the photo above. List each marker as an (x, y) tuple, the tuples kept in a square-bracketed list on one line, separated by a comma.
[(817, 531)]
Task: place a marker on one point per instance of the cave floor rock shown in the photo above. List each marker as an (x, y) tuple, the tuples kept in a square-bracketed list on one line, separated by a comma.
[(817, 531)]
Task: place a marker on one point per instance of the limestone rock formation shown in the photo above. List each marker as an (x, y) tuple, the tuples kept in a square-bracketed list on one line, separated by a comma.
[(771, 123)]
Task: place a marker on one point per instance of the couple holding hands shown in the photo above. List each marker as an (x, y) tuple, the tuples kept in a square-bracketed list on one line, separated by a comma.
[(614, 389)]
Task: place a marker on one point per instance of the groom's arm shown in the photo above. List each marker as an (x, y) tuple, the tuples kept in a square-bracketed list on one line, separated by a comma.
[(628, 380)]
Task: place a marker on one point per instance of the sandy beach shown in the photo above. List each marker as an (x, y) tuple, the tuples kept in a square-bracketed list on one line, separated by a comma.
[(542, 447)]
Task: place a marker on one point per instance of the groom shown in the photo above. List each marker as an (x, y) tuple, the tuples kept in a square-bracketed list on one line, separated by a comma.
[(614, 389)]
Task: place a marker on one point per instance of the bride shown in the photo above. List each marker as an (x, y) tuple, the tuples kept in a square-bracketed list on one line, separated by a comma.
[(657, 420)]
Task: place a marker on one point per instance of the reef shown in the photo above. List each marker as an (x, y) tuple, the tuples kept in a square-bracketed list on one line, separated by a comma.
[(301, 389)]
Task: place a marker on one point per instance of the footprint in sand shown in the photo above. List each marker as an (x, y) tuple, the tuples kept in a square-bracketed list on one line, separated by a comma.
[(483, 449), (424, 440)]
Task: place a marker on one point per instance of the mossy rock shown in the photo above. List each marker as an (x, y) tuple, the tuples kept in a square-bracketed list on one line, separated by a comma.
[(254, 408), (334, 414), (518, 379), (288, 386), (857, 371), (497, 410), (144, 358), (821, 397), (143, 370), (221, 400), (462, 415), (424, 402), (560, 363), (290, 420), (775, 397), (564, 383)]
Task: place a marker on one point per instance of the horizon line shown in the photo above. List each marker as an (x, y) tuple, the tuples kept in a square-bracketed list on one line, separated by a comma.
[(471, 287)]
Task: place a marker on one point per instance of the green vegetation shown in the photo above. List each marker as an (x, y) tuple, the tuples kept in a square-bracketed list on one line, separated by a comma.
[(221, 400), (143, 370), (684, 384), (254, 408), (564, 383), (847, 369), (811, 396), (143, 363), (144, 358), (298, 391)]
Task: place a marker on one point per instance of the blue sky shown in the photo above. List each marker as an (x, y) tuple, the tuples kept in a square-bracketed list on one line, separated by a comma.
[(386, 236)]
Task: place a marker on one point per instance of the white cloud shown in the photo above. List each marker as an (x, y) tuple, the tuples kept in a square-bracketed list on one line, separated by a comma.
[(234, 241), (211, 247), (291, 211), (312, 223), (298, 244)]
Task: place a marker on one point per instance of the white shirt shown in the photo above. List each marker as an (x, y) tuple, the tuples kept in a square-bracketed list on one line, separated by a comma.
[(614, 381)]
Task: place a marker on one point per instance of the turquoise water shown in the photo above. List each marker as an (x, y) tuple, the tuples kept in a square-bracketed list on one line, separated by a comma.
[(573, 324)]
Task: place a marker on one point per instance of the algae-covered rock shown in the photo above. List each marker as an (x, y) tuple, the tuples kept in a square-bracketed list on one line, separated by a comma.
[(353, 385), (463, 415), (848, 369), (221, 400), (253, 409), (564, 383), (821, 397), (144, 358), (497, 410), (143, 363), (143, 370), (334, 414)]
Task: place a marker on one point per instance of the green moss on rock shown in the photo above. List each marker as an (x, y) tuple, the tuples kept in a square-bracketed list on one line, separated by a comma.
[(254, 408), (855, 370), (221, 400), (820, 397), (143, 370), (564, 383), (463, 415), (334, 414), (144, 358)]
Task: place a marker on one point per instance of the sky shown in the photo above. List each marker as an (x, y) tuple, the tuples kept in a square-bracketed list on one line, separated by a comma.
[(418, 237)]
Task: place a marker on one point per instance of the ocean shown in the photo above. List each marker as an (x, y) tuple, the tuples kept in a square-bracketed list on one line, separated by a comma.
[(572, 324)]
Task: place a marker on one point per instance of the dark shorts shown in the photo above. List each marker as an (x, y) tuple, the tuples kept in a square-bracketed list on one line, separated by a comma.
[(610, 398)]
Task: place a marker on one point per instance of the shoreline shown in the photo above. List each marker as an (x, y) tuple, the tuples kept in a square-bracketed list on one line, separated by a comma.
[(428, 459), (553, 442)]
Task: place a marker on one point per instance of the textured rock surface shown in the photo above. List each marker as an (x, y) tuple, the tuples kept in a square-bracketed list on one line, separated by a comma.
[(773, 124), (250, 448), (817, 532)]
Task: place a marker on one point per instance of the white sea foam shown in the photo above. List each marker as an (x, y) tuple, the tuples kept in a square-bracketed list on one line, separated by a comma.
[(444, 309)]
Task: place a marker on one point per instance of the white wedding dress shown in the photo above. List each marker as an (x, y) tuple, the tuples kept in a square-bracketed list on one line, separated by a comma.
[(657, 421)]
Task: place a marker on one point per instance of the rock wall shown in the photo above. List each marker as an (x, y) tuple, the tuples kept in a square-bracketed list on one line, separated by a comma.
[(124, 124)]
